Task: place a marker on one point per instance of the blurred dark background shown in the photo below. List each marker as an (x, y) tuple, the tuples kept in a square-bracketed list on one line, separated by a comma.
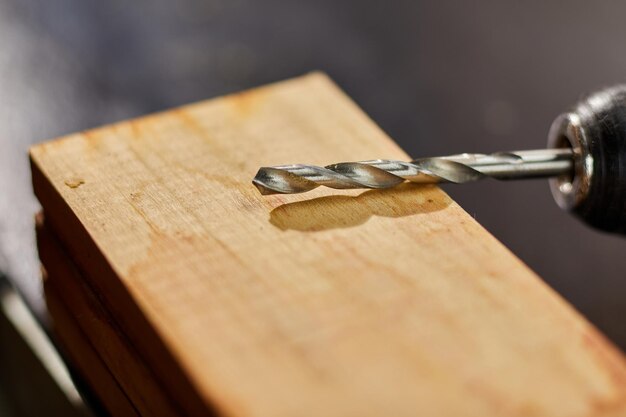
[(440, 77)]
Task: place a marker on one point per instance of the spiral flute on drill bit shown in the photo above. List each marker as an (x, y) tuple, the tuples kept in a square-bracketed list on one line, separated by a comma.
[(381, 173)]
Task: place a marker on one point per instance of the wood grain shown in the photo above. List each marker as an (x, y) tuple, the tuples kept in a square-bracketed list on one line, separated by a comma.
[(339, 304), (99, 330)]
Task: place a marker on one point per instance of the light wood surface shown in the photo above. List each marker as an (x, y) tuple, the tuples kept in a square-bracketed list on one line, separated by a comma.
[(67, 291), (327, 303)]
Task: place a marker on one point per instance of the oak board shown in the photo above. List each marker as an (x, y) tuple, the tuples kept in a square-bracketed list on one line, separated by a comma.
[(327, 303)]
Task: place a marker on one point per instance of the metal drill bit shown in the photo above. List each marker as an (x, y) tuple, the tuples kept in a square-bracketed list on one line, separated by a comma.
[(381, 173)]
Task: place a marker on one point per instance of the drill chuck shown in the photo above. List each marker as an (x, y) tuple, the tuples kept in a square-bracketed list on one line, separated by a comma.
[(595, 130)]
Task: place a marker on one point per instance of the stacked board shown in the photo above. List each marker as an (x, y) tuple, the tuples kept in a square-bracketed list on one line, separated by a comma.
[(179, 290)]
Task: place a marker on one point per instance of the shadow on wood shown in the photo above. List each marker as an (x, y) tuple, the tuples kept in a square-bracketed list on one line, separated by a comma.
[(342, 211)]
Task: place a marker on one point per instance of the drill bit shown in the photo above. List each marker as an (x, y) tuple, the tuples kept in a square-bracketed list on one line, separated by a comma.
[(382, 173)]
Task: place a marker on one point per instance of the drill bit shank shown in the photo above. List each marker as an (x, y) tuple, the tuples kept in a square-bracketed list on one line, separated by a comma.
[(380, 173)]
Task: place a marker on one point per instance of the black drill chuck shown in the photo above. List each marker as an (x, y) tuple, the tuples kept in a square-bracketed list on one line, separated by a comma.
[(595, 129)]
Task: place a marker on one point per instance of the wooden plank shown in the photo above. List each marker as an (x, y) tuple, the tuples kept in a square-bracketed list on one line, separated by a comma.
[(353, 303), (99, 330), (84, 358)]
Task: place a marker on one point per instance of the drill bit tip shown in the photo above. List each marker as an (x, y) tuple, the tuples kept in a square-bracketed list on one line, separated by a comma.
[(275, 180)]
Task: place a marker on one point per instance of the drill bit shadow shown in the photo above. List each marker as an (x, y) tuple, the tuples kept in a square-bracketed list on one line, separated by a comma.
[(340, 211)]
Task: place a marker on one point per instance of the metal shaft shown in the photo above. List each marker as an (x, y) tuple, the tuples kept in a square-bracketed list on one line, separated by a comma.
[(380, 173)]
